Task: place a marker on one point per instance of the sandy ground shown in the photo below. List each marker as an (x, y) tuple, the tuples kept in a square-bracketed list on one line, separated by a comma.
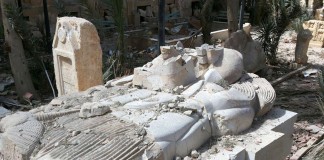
[(300, 93)]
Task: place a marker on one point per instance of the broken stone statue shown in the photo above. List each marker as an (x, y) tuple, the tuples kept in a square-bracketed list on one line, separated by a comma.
[(254, 58), (168, 108), (303, 39)]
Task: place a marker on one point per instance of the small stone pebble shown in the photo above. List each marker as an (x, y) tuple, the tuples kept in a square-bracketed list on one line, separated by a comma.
[(75, 133), (188, 113), (194, 154), (171, 105)]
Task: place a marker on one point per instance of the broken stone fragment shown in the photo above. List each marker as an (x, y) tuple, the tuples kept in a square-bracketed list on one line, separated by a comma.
[(168, 52), (179, 45), (202, 60), (201, 52), (20, 134), (178, 89), (194, 154), (91, 109), (122, 81), (188, 112), (254, 58), (303, 39), (75, 133), (56, 102), (213, 54)]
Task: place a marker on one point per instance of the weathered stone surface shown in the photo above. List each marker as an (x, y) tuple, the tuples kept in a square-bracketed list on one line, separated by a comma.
[(167, 71), (303, 39), (77, 55), (265, 93), (254, 58), (317, 29), (269, 138), (20, 134)]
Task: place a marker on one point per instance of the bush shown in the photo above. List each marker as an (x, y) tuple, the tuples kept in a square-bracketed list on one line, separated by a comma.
[(276, 19)]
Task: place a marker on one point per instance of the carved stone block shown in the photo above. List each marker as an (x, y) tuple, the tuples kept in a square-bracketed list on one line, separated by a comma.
[(317, 29), (77, 55)]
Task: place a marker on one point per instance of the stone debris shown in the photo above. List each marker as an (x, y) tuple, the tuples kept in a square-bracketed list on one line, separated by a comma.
[(91, 109), (188, 113), (313, 129), (56, 102), (194, 154), (75, 133)]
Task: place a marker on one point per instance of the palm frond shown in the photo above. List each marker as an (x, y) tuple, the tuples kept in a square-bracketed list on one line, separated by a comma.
[(275, 22)]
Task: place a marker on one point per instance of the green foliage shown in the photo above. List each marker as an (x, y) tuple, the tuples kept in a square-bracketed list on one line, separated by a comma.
[(116, 8), (276, 18), (34, 47), (297, 24), (110, 71)]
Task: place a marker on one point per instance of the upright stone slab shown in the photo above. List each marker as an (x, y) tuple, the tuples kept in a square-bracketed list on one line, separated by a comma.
[(302, 44), (77, 55)]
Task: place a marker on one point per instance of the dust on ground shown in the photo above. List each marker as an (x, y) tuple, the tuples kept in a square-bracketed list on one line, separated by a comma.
[(299, 93)]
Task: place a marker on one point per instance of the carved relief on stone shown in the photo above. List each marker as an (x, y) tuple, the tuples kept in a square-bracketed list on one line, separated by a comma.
[(317, 29), (77, 55)]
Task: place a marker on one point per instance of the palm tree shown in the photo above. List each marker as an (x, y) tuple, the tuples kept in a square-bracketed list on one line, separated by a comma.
[(116, 8)]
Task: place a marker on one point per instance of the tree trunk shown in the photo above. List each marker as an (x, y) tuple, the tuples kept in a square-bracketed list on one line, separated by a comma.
[(232, 15), (206, 20), (14, 47), (47, 28), (161, 24)]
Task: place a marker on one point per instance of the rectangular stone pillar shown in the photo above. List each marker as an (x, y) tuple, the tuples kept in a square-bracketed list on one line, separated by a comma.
[(77, 55)]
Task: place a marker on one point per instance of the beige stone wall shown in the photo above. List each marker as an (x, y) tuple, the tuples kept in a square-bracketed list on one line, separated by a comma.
[(317, 29), (77, 55)]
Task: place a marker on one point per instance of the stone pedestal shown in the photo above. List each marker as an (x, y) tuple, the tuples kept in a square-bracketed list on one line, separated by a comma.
[(302, 44), (77, 55)]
